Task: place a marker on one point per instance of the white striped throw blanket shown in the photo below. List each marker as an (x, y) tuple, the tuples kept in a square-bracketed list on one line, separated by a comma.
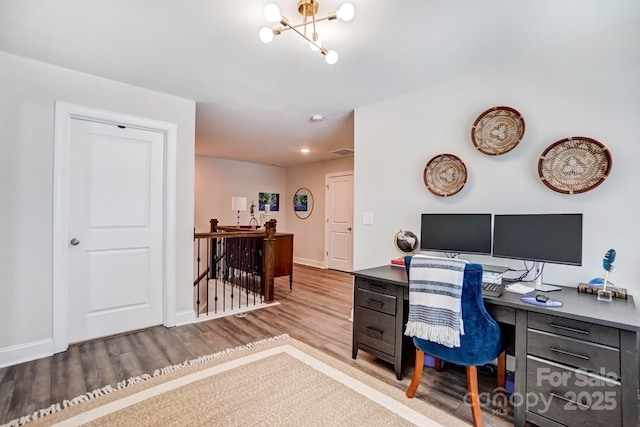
[(435, 306)]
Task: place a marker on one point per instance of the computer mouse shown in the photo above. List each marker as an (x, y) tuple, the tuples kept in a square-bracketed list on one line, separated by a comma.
[(542, 298)]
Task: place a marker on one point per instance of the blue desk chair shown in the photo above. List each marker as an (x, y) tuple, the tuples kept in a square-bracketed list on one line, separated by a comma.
[(482, 342)]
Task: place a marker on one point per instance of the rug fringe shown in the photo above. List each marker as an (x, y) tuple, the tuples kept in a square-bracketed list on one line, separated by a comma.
[(56, 407)]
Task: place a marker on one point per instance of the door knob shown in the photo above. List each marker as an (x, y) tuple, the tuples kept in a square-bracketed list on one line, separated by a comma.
[(349, 228), (75, 242)]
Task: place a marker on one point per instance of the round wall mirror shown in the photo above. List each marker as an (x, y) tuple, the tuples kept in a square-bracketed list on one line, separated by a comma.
[(303, 203)]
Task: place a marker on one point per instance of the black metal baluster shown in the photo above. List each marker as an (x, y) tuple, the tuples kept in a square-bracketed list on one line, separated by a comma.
[(198, 287), (209, 269)]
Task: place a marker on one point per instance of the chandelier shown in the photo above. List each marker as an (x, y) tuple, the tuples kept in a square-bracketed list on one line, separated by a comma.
[(308, 9)]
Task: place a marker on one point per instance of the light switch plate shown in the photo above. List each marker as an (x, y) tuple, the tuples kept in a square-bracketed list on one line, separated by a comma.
[(367, 218)]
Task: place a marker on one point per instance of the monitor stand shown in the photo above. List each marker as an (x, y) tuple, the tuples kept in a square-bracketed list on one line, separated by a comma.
[(537, 284)]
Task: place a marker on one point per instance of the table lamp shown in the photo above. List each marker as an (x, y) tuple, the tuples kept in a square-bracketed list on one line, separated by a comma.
[(239, 204)]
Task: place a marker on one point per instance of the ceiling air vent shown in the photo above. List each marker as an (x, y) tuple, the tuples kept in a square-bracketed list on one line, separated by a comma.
[(342, 151)]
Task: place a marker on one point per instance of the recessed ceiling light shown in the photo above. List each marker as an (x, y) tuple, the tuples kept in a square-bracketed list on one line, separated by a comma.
[(316, 118), (304, 150)]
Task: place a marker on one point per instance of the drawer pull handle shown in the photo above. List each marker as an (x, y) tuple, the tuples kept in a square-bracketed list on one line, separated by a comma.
[(568, 353), (374, 333), (374, 303), (375, 287), (566, 328), (582, 405)]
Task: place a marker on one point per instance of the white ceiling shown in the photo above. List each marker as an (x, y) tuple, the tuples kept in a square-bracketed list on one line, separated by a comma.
[(254, 100)]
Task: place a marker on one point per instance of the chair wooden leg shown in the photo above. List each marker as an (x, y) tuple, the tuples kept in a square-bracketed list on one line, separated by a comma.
[(472, 386), (417, 374), (502, 369), (437, 364)]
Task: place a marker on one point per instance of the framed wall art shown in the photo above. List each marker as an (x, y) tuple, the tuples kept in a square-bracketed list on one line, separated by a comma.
[(269, 202)]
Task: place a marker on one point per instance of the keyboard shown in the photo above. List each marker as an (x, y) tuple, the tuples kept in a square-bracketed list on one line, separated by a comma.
[(492, 289)]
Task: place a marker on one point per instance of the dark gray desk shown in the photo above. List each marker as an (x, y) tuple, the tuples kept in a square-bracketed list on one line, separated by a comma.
[(582, 358)]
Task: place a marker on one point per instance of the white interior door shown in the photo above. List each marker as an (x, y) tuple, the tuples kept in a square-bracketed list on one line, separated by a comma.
[(115, 225), (340, 221)]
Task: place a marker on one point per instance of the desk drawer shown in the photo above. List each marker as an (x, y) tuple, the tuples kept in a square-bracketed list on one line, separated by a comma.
[(568, 397), (377, 287), (575, 329), (376, 330), (576, 353), (376, 301)]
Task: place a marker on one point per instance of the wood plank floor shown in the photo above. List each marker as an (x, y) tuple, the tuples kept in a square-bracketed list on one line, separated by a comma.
[(316, 312)]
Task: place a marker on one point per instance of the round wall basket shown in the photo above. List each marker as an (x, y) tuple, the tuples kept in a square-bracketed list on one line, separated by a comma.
[(574, 165), (445, 175), (497, 131)]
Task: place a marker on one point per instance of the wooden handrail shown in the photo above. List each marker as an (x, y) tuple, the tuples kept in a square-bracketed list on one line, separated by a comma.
[(219, 234), (239, 228)]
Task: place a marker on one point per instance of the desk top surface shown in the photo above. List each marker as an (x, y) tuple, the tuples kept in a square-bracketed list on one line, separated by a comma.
[(619, 313)]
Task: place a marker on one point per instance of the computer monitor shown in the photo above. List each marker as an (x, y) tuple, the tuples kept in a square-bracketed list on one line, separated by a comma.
[(456, 233), (551, 238)]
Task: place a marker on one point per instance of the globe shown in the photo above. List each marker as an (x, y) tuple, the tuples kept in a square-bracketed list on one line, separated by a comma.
[(406, 241)]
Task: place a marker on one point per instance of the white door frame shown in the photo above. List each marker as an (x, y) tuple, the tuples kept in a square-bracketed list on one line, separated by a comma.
[(64, 113)]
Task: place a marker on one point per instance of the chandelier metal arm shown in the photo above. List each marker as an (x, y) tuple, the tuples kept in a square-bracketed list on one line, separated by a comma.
[(294, 28), (286, 23), (313, 23)]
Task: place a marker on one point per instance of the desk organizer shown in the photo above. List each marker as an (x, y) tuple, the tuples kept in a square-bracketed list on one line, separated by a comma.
[(615, 292)]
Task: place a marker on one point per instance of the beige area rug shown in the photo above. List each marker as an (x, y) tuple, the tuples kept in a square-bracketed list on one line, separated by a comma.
[(275, 382)]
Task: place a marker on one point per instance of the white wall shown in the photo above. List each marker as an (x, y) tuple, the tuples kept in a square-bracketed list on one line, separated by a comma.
[(218, 180), (589, 88), (28, 91), (309, 233)]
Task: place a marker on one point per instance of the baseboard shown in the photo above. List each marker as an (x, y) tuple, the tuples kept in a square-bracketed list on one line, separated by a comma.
[(185, 317), (309, 262), (25, 352)]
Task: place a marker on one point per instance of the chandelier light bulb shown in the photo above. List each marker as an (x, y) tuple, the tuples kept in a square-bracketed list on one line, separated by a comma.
[(266, 34), (272, 13), (331, 57), (345, 12)]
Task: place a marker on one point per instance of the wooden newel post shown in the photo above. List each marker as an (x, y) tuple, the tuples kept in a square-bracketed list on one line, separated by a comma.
[(269, 259)]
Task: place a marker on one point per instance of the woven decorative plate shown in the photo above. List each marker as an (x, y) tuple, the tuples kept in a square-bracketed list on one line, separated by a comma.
[(497, 131), (445, 175), (574, 165)]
